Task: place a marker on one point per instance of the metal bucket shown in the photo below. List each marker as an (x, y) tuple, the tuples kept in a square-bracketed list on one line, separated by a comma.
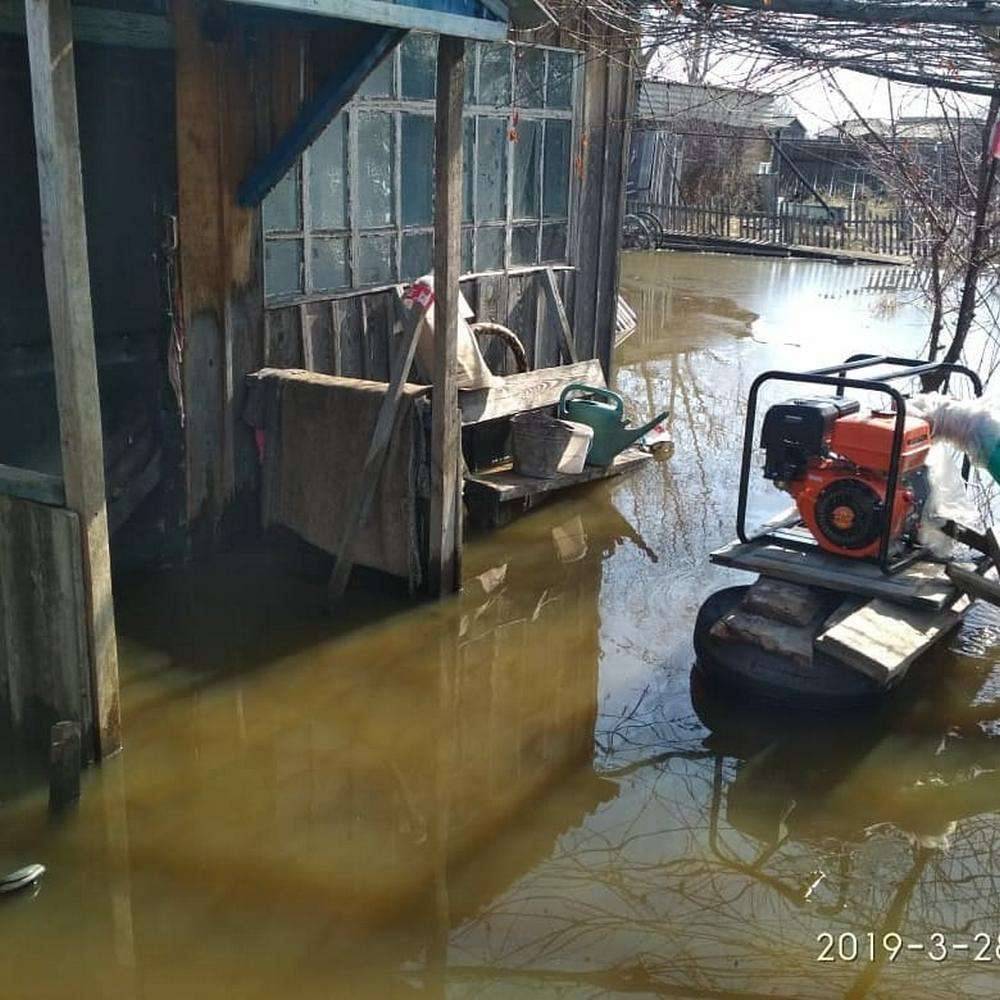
[(545, 447)]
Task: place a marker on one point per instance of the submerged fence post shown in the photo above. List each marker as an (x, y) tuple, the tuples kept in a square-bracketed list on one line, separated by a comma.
[(65, 762)]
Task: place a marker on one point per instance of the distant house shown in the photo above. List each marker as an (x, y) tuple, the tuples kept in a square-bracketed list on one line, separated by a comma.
[(838, 160), (918, 128), (695, 141)]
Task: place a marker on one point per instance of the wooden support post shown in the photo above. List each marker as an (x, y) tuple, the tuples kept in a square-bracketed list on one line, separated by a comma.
[(67, 285), (65, 761), (446, 441)]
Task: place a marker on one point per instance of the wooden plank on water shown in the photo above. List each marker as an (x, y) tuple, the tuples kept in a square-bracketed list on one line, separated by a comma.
[(508, 485), (526, 391), (791, 603), (555, 303), (881, 639), (923, 584), (793, 642), (364, 486)]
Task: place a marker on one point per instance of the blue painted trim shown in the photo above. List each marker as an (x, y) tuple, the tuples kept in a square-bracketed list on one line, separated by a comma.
[(315, 115), (462, 18)]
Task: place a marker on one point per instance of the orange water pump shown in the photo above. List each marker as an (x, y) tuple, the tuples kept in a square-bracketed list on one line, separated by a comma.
[(835, 461)]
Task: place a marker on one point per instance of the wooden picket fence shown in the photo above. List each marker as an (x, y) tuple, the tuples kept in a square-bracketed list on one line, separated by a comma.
[(792, 225)]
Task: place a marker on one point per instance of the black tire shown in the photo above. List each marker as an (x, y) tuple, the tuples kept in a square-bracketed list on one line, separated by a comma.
[(747, 670)]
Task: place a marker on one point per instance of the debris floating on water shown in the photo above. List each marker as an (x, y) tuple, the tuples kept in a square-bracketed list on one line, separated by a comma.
[(23, 878)]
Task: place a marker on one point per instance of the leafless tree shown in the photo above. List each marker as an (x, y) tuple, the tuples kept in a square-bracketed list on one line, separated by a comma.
[(950, 47)]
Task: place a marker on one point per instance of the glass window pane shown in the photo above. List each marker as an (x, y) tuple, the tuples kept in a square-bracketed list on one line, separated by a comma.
[(283, 207), (526, 177), (376, 260), (489, 248), (555, 193), (375, 156), (468, 166), (416, 255), (529, 67), (328, 177), (494, 74), (283, 266), (559, 92), (378, 83), (524, 245), (417, 181), (467, 251), (418, 66), (329, 264), (554, 241), (491, 170)]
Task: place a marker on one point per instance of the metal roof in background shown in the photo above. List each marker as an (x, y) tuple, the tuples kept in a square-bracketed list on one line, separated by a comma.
[(668, 100)]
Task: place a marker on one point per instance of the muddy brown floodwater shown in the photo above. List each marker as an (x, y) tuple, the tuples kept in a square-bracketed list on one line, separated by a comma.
[(518, 793)]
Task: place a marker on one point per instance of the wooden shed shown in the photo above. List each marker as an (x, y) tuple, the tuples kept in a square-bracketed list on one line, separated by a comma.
[(194, 191)]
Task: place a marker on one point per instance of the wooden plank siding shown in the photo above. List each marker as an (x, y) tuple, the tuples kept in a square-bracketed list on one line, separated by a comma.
[(44, 652), (235, 97), (71, 319)]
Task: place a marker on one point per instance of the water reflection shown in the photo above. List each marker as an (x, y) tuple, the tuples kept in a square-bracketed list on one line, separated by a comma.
[(328, 808)]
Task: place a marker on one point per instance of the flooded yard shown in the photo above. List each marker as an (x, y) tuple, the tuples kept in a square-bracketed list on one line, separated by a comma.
[(520, 792)]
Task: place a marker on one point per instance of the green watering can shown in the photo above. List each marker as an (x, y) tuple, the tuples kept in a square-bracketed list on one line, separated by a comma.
[(603, 410)]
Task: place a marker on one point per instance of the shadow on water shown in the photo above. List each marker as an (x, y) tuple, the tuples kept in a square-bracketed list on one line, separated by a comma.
[(523, 791)]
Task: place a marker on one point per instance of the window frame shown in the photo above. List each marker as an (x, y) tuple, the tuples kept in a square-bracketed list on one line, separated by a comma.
[(396, 106)]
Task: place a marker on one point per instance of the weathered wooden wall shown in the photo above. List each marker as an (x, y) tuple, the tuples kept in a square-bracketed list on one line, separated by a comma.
[(352, 335), (218, 136), (44, 673), (235, 96)]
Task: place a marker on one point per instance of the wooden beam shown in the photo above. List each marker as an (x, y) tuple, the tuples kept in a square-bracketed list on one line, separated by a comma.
[(67, 286), (974, 584), (316, 114), (367, 481), (506, 484), (398, 15), (26, 484), (562, 320), (866, 12), (923, 585), (880, 72), (526, 391), (446, 437)]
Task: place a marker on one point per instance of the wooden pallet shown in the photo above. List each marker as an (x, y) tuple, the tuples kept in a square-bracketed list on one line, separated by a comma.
[(496, 495), (923, 585)]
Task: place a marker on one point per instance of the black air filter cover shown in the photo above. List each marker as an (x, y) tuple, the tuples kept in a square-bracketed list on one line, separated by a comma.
[(798, 430)]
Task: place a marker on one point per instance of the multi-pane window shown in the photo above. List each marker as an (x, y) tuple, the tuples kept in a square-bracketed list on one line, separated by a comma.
[(357, 210)]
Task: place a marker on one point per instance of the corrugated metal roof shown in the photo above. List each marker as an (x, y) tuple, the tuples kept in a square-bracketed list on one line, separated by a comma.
[(667, 100)]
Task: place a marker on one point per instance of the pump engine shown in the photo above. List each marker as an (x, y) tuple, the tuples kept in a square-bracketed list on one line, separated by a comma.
[(834, 460)]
